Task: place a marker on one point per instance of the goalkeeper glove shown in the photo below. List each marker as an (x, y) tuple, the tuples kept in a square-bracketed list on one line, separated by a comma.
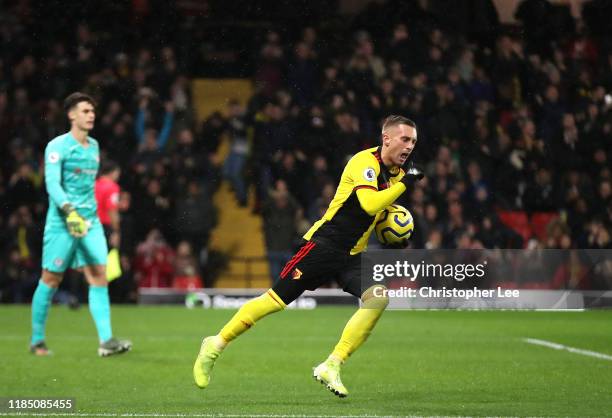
[(412, 175), (77, 225)]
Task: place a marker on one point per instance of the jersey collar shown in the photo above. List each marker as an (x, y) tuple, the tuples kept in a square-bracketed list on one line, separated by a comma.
[(383, 167)]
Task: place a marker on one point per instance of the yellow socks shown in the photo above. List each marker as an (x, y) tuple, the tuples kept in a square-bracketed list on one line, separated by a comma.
[(359, 327), (247, 315), (354, 335)]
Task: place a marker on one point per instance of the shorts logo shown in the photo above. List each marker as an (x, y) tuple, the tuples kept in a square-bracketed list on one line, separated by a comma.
[(369, 174), (296, 274), (53, 157), (58, 262)]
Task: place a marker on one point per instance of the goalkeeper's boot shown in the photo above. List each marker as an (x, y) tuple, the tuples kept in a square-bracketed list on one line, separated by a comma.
[(114, 346), (328, 373), (205, 362), (40, 349)]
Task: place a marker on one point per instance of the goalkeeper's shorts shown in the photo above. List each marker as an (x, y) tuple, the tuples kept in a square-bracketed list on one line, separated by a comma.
[(62, 251), (316, 264)]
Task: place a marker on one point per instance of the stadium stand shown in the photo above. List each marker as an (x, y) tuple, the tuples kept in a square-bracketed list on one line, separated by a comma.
[(514, 129)]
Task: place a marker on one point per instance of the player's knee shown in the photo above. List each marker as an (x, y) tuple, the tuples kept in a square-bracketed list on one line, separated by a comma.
[(96, 275), (375, 297), (51, 279), (97, 281)]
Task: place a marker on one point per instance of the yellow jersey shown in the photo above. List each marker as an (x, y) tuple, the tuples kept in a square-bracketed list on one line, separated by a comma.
[(345, 225)]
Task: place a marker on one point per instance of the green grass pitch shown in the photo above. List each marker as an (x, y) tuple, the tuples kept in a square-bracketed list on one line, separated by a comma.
[(424, 363)]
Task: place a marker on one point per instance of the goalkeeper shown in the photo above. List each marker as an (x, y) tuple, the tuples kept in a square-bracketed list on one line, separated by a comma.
[(372, 180), (73, 236)]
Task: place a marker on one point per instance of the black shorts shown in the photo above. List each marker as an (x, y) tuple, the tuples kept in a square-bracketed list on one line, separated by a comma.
[(314, 265)]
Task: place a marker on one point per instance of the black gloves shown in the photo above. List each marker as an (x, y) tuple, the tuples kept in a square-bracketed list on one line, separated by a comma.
[(412, 175)]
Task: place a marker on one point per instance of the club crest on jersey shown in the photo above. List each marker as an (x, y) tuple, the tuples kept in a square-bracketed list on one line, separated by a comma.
[(369, 174), (296, 274), (53, 157)]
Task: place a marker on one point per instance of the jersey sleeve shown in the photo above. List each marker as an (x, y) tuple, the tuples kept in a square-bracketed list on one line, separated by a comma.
[(376, 201), (53, 174), (363, 170)]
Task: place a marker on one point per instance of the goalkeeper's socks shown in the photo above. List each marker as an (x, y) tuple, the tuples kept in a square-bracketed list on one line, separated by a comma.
[(40, 310), (358, 328), (251, 312), (99, 306)]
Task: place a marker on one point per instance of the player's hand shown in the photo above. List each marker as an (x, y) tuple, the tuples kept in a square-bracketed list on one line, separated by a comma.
[(412, 175), (77, 225)]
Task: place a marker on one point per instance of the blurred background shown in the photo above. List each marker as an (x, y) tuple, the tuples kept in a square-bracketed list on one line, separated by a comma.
[(231, 121)]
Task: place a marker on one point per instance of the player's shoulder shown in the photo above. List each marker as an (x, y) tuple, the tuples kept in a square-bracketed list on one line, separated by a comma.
[(56, 148), (93, 141), (58, 141), (366, 158)]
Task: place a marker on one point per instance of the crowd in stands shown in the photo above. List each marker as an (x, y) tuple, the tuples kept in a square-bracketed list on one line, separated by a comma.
[(511, 129)]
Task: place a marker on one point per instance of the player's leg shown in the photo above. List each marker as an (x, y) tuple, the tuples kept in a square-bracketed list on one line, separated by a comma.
[(99, 302), (99, 307), (361, 324), (285, 291), (58, 250), (91, 255), (356, 331), (244, 319), (41, 301)]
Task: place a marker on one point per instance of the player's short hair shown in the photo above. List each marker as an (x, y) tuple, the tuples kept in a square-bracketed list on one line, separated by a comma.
[(393, 120), (76, 98), (108, 166)]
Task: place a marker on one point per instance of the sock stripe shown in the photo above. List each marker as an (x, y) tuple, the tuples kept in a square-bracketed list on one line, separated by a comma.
[(296, 258), (274, 297)]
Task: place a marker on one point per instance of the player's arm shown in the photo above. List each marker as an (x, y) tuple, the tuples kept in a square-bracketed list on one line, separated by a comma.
[(114, 219), (373, 200), (113, 209), (53, 176), (77, 226), (164, 134)]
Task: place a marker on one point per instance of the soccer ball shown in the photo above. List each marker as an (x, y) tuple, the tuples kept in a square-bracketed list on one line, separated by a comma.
[(394, 226)]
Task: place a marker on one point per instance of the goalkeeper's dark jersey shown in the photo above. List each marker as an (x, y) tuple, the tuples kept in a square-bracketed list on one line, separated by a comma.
[(345, 225)]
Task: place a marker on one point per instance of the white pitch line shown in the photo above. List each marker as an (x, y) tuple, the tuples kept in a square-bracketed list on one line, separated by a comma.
[(556, 346)]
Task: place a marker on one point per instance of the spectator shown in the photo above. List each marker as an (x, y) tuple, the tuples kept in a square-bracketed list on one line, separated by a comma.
[(186, 271), (302, 74), (280, 214), (491, 112), (156, 204), (154, 265), (194, 217), (23, 239), (149, 138), (23, 187), (233, 169)]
